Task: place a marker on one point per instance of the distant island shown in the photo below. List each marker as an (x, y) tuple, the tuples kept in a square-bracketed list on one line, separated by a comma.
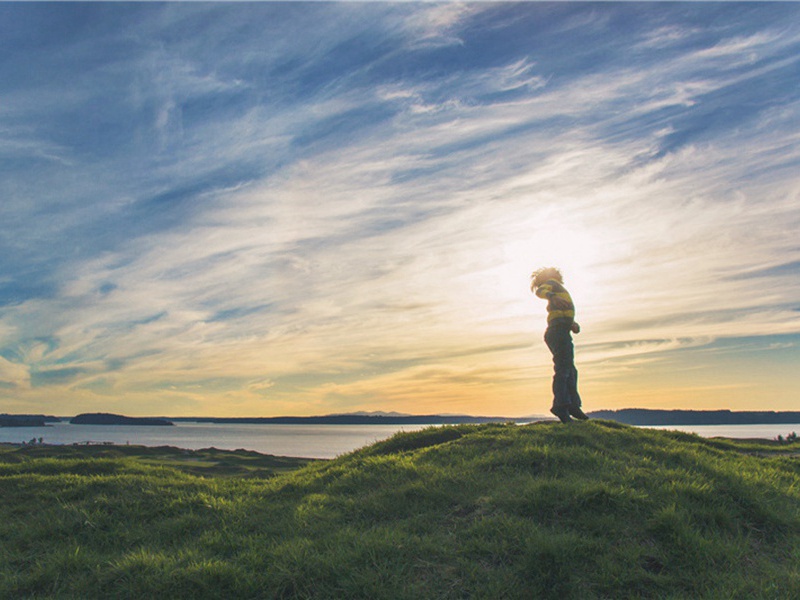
[(27, 420), (644, 416), (109, 419), (629, 416)]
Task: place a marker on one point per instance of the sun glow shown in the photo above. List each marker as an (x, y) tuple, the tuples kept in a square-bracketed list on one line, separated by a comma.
[(575, 250)]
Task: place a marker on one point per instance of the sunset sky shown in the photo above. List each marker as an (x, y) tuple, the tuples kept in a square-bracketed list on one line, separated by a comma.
[(292, 209)]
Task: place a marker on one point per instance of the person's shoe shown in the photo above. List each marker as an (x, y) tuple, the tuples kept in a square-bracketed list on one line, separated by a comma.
[(562, 412), (576, 412)]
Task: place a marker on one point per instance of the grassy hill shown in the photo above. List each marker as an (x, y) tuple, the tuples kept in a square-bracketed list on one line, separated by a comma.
[(589, 510)]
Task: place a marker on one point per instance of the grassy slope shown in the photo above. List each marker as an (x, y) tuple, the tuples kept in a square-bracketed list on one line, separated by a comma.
[(207, 462), (590, 510)]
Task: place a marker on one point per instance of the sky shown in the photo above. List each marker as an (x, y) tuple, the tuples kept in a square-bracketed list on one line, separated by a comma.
[(261, 209)]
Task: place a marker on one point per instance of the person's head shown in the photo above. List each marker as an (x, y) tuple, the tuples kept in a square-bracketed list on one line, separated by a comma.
[(540, 276)]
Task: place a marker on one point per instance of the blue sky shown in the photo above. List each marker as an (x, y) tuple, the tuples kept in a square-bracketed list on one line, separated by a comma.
[(307, 208)]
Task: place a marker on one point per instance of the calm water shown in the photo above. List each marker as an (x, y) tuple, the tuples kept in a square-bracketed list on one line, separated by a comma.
[(768, 432), (310, 441)]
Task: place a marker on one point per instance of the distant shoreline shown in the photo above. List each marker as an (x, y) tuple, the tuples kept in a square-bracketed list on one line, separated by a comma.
[(628, 416), (358, 420), (641, 416), (27, 420), (111, 419)]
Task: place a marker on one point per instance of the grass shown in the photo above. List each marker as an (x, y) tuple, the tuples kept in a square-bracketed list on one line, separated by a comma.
[(206, 462), (590, 510)]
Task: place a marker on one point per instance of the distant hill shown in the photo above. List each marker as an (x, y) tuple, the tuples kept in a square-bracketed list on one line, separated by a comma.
[(109, 419), (643, 416)]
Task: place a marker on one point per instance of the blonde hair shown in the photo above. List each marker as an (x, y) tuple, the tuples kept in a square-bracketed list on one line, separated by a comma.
[(539, 276)]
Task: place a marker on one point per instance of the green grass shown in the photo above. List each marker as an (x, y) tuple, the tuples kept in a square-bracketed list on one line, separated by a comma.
[(590, 510), (205, 462)]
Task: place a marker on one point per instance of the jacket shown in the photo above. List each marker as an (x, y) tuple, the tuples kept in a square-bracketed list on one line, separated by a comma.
[(553, 289)]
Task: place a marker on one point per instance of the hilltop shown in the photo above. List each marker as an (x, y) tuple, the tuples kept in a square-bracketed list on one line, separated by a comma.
[(590, 510)]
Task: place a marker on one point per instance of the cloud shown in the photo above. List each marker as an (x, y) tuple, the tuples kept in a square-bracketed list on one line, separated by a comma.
[(741, 49), (14, 375), (439, 25)]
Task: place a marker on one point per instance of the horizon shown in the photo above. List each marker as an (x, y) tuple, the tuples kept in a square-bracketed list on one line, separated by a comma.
[(305, 208), (544, 416)]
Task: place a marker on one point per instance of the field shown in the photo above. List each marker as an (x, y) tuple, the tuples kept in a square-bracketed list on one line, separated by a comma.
[(589, 510)]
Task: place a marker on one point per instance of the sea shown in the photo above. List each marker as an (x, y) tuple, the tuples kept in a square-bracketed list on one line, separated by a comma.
[(306, 441)]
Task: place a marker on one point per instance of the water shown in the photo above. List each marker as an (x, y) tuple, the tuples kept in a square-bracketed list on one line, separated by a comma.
[(307, 441), (764, 432)]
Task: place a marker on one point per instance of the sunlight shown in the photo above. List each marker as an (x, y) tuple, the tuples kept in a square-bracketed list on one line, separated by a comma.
[(575, 250)]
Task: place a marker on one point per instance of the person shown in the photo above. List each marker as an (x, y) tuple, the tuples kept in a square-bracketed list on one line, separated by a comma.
[(548, 283)]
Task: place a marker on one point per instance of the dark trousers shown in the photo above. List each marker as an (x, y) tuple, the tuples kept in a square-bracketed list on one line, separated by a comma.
[(558, 338)]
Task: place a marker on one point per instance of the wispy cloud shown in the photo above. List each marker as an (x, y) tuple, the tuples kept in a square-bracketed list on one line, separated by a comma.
[(438, 25)]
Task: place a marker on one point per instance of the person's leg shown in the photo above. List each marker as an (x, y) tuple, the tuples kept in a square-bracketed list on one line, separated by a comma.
[(574, 396), (566, 399), (572, 385), (559, 342)]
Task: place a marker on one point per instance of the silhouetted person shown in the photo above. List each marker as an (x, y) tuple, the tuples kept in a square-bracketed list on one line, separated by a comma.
[(548, 283)]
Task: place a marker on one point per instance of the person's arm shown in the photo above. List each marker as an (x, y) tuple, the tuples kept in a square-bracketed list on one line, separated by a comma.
[(556, 302), (544, 291)]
